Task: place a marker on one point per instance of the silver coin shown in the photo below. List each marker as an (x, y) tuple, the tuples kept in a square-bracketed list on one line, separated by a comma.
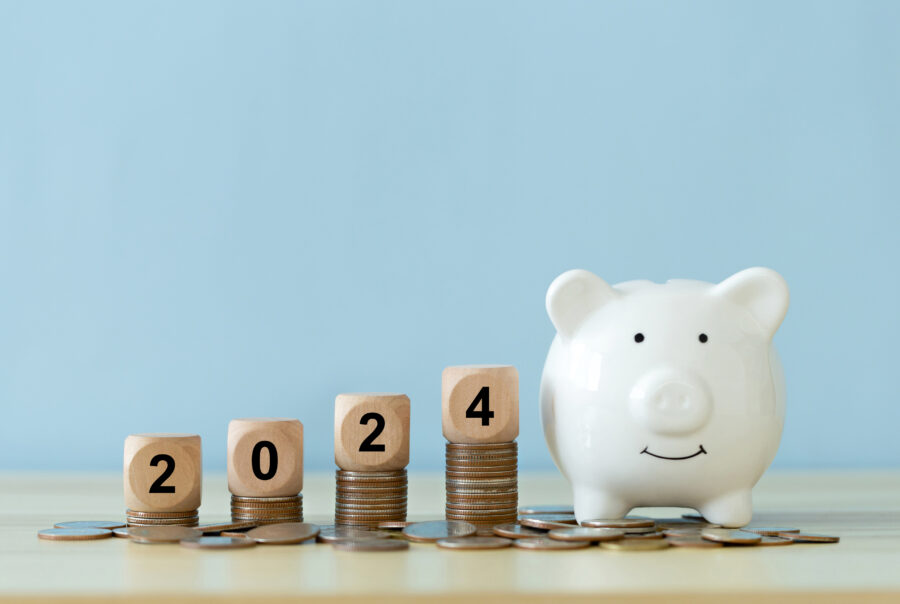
[(545, 543), (218, 543), (101, 524), (474, 543), (628, 522), (438, 529), (370, 545), (583, 533), (548, 521), (284, 534), (333, 533), (547, 509), (516, 531), (74, 534)]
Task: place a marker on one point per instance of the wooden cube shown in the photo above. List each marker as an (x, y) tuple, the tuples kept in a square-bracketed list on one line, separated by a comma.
[(265, 457), (371, 431), (480, 403), (163, 472)]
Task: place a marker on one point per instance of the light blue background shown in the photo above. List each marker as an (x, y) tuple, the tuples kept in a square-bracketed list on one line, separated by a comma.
[(220, 209)]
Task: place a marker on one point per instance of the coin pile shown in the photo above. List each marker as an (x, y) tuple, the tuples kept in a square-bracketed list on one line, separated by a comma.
[(136, 518), (267, 510), (482, 483), (368, 498)]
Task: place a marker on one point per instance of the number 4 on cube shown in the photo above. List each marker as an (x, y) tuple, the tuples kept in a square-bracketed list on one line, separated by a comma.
[(480, 403)]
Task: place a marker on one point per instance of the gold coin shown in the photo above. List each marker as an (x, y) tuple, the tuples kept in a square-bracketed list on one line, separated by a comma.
[(287, 498), (547, 509), (370, 545), (370, 473), (516, 531), (394, 524), (772, 531), (693, 541), (162, 534), (732, 536), (218, 543), (74, 534), (161, 515), (583, 533), (431, 531), (474, 543), (809, 538), (548, 521), (103, 524), (628, 522), (226, 526), (635, 545), (772, 540), (545, 543), (284, 534)]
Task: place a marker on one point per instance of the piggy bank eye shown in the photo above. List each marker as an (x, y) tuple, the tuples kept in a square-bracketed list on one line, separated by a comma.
[(703, 338), (638, 337)]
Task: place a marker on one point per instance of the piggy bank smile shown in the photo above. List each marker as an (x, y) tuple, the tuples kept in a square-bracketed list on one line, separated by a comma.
[(644, 380), (700, 451)]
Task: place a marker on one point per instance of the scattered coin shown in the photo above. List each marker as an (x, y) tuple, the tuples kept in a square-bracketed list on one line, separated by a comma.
[(394, 524), (635, 545), (809, 538), (771, 531), (545, 543), (218, 542), (628, 522), (583, 533), (517, 531), (474, 542), (648, 535), (548, 521), (103, 524), (438, 529), (547, 509), (162, 534), (283, 534), (74, 534), (235, 534), (693, 541), (121, 532), (207, 529), (772, 540), (332, 534), (730, 536), (683, 532), (371, 545)]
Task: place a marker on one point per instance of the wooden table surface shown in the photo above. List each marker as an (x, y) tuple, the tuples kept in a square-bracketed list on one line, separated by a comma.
[(863, 508)]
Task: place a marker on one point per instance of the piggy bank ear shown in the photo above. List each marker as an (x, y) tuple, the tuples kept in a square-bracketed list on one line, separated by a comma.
[(762, 291), (573, 295)]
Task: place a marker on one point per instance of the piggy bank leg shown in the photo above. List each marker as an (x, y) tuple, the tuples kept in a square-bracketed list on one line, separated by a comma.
[(730, 510), (592, 503)]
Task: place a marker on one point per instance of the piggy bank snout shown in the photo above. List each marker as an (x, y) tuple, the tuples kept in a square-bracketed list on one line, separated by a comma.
[(670, 401)]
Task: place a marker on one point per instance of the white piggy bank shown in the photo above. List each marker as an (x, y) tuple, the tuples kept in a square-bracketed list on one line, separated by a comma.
[(664, 394)]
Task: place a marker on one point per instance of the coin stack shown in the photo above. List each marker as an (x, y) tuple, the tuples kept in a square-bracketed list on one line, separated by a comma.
[(136, 518), (482, 482), (267, 510), (367, 498)]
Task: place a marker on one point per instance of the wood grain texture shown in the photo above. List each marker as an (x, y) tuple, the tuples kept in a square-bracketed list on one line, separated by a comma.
[(461, 385), (863, 508), (249, 458), (148, 457), (355, 420)]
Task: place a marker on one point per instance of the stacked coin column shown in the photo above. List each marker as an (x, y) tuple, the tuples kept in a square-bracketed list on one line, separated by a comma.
[(480, 410), (163, 479), (371, 448), (265, 470)]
